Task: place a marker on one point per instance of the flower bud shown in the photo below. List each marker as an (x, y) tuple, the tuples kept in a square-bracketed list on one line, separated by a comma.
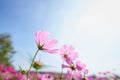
[(23, 71), (37, 65)]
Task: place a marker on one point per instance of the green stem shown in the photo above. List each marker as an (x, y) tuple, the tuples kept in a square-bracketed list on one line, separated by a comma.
[(71, 76), (28, 74), (61, 75)]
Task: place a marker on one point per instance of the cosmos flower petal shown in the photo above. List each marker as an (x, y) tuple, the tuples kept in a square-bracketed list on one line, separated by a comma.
[(42, 37), (85, 71), (65, 66), (52, 51), (50, 44), (74, 55), (78, 65), (69, 61), (37, 37)]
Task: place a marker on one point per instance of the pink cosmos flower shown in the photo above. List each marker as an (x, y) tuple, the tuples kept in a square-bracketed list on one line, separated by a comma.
[(43, 42), (68, 53), (72, 72), (75, 69)]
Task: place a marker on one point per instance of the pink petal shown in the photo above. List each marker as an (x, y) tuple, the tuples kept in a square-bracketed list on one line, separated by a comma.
[(71, 49), (37, 37), (69, 61), (85, 71), (65, 66), (42, 37), (50, 44), (69, 73), (73, 55), (63, 49), (79, 65), (77, 74), (52, 51), (11, 70)]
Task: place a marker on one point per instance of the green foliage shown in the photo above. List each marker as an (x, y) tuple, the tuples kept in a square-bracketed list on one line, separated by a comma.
[(1, 77), (6, 50)]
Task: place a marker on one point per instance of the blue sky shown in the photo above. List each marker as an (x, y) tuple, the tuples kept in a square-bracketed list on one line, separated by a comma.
[(92, 26)]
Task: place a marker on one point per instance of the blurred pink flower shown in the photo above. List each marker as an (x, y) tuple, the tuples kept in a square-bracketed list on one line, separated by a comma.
[(2, 69), (8, 73), (1, 66), (39, 76), (68, 53), (90, 78), (43, 42), (23, 77), (11, 70), (19, 76), (47, 76)]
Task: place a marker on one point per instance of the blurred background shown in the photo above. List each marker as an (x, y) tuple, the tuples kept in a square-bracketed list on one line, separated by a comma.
[(91, 26)]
